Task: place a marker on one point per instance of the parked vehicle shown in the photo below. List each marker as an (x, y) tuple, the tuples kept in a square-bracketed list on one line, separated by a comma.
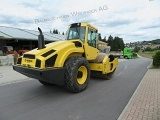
[(127, 53), (9, 50)]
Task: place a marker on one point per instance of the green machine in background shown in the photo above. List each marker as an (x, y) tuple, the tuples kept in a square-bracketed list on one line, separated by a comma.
[(127, 53)]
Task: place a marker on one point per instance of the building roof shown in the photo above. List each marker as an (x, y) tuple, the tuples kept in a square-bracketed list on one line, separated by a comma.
[(23, 34)]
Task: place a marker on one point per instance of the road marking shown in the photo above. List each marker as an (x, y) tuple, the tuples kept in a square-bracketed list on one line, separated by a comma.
[(118, 74), (74, 117)]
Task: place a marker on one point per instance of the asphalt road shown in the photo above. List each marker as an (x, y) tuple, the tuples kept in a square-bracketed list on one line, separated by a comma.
[(102, 100)]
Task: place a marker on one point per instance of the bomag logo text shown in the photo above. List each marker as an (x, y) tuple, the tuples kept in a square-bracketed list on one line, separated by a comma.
[(28, 61)]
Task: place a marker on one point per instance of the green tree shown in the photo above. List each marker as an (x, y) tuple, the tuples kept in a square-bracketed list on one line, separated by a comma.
[(99, 37), (55, 31), (110, 41), (104, 39), (136, 49), (120, 43), (116, 43)]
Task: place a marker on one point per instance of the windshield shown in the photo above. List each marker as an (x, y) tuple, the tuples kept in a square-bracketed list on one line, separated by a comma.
[(76, 33)]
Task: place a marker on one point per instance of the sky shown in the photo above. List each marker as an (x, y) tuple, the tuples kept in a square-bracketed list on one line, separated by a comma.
[(132, 20)]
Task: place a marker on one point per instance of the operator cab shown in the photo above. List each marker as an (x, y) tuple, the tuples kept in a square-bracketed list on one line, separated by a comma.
[(76, 32), (88, 35), (84, 32)]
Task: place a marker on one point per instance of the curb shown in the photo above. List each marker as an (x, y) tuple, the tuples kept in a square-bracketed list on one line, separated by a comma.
[(150, 65)]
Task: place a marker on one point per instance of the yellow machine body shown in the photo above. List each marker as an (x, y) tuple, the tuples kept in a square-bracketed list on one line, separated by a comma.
[(47, 62)]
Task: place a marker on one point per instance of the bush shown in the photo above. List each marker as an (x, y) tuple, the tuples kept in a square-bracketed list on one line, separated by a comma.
[(134, 55), (136, 49), (151, 49), (148, 49), (156, 59)]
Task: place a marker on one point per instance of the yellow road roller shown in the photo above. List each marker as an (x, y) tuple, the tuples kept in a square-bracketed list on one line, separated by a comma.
[(69, 63)]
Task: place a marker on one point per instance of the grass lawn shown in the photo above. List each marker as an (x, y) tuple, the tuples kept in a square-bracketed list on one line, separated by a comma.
[(147, 54)]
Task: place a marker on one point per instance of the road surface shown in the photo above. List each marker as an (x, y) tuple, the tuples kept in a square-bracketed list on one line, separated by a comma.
[(102, 100)]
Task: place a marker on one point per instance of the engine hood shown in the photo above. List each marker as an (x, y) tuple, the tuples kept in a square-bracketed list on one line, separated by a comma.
[(53, 55)]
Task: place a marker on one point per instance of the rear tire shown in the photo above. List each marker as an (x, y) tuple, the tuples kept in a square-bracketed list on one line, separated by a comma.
[(77, 74)]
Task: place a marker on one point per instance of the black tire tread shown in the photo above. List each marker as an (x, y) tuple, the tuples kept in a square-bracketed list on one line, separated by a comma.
[(71, 75)]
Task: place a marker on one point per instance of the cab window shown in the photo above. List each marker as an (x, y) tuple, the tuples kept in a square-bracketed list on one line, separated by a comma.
[(92, 38), (77, 33)]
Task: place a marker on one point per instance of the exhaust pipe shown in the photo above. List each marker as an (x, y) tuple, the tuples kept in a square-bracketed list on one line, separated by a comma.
[(41, 43)]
